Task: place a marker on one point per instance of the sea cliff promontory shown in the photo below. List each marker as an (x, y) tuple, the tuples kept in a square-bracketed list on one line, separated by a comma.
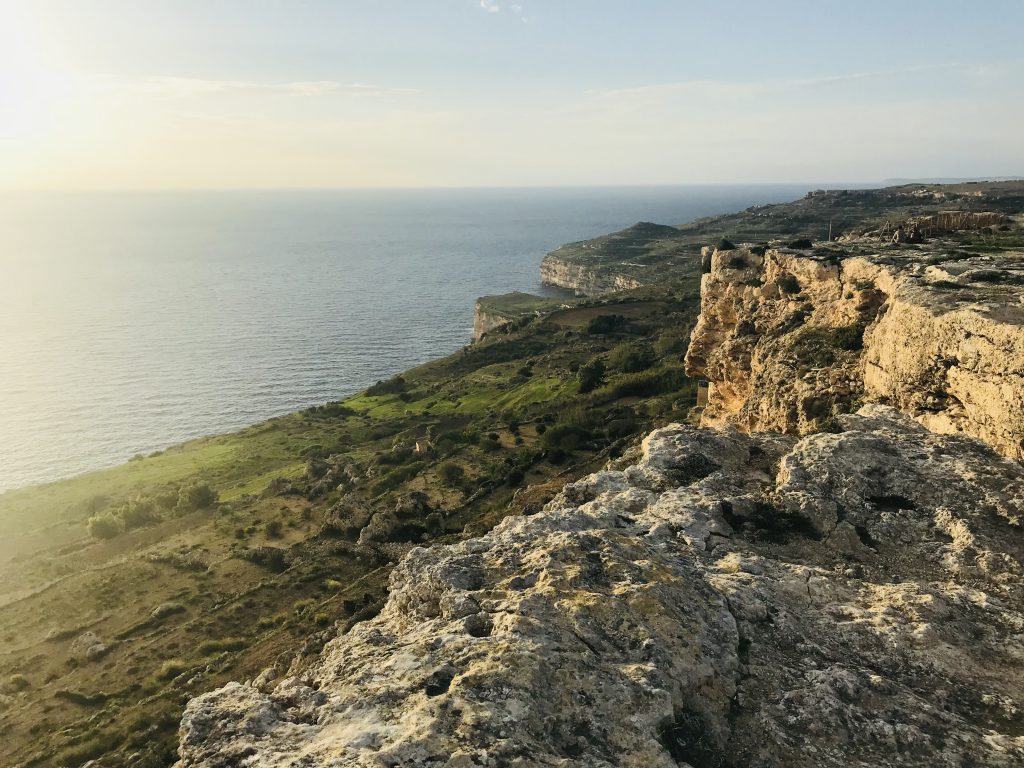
[(828, 572), (541, 550)]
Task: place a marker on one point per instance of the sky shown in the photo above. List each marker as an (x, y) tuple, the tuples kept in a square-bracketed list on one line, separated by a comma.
[(187, 94)]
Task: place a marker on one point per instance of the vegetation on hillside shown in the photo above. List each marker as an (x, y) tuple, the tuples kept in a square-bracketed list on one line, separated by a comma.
[(127, 591)]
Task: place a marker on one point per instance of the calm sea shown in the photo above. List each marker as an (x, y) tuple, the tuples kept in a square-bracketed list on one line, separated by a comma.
[(131, 322)]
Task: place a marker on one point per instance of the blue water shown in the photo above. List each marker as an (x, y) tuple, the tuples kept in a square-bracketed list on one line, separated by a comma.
[(130, 322)]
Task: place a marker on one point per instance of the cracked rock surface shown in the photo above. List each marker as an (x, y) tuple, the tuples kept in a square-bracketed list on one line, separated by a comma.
[(723, 599)]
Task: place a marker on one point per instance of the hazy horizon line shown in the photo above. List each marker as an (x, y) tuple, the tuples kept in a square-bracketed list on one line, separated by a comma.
[(412, 188)]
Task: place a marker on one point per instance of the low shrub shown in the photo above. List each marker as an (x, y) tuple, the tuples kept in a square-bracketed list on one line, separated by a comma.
[(195, 496), (105, 526), (631, 357), (567, 437), (171, 669), (80, 698), (605, 324), (451, 474), (390, 387), (725, 245), (396, 477), (789, 284), (671, 342), (556, 456), (591, 375), (138, 512), (211, 647), (646, 384)]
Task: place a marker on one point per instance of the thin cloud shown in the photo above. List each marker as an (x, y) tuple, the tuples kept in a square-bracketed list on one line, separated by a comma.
[(490, 6), (750, 87), (187, 87)]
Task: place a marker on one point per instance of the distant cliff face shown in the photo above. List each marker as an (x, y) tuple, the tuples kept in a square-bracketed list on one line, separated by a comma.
[(849, 599), (637, 256), (484, 321), (787, 339), (584, 279)]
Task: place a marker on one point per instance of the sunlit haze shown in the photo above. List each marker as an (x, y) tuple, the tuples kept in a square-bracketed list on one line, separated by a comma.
[(280, 93)]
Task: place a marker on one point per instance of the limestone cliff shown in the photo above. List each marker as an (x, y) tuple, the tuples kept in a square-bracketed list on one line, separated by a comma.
[(484, 321), (788, 338), (638, 256), (848, 599), (584, 279), (490, 312)]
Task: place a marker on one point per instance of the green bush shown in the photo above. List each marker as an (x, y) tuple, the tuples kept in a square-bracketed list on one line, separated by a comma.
[(138, 512), (556, 456), (166, 500), (591, 374), (671, 342), (451, 473), (605, 324), (314, 451), (273, 529), (725, 245), (396, 477), (646, 384), (210, 647), (105, 526), (196, 496), (567, 437), (172, 669), (631, 357), (390, 387)]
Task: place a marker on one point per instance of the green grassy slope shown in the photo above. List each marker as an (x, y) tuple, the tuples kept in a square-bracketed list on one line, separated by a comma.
[(184, 603)]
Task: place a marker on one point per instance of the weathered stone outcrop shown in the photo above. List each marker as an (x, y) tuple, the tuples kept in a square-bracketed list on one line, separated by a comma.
[(847, 599), (641, 255), (484, 321), (789, 338), (584, 279), (492, 312)]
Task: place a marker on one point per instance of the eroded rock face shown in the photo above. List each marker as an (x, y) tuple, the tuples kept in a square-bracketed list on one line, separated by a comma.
[(585, 279), (484, 321), (848, 599), (787, 338)]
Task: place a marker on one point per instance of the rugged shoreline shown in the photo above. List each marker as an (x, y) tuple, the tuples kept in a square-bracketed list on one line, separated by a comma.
[(815, 588)]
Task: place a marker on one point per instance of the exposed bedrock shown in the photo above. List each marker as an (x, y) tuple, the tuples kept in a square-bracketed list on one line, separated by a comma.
[(585, 279), (787, 339), (720, 599)]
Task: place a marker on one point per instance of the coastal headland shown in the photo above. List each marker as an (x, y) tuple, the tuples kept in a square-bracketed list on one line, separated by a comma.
[(820, 566)]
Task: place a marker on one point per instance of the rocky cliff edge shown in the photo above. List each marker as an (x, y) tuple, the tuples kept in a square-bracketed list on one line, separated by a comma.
[(851, 598), (789, 338)]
